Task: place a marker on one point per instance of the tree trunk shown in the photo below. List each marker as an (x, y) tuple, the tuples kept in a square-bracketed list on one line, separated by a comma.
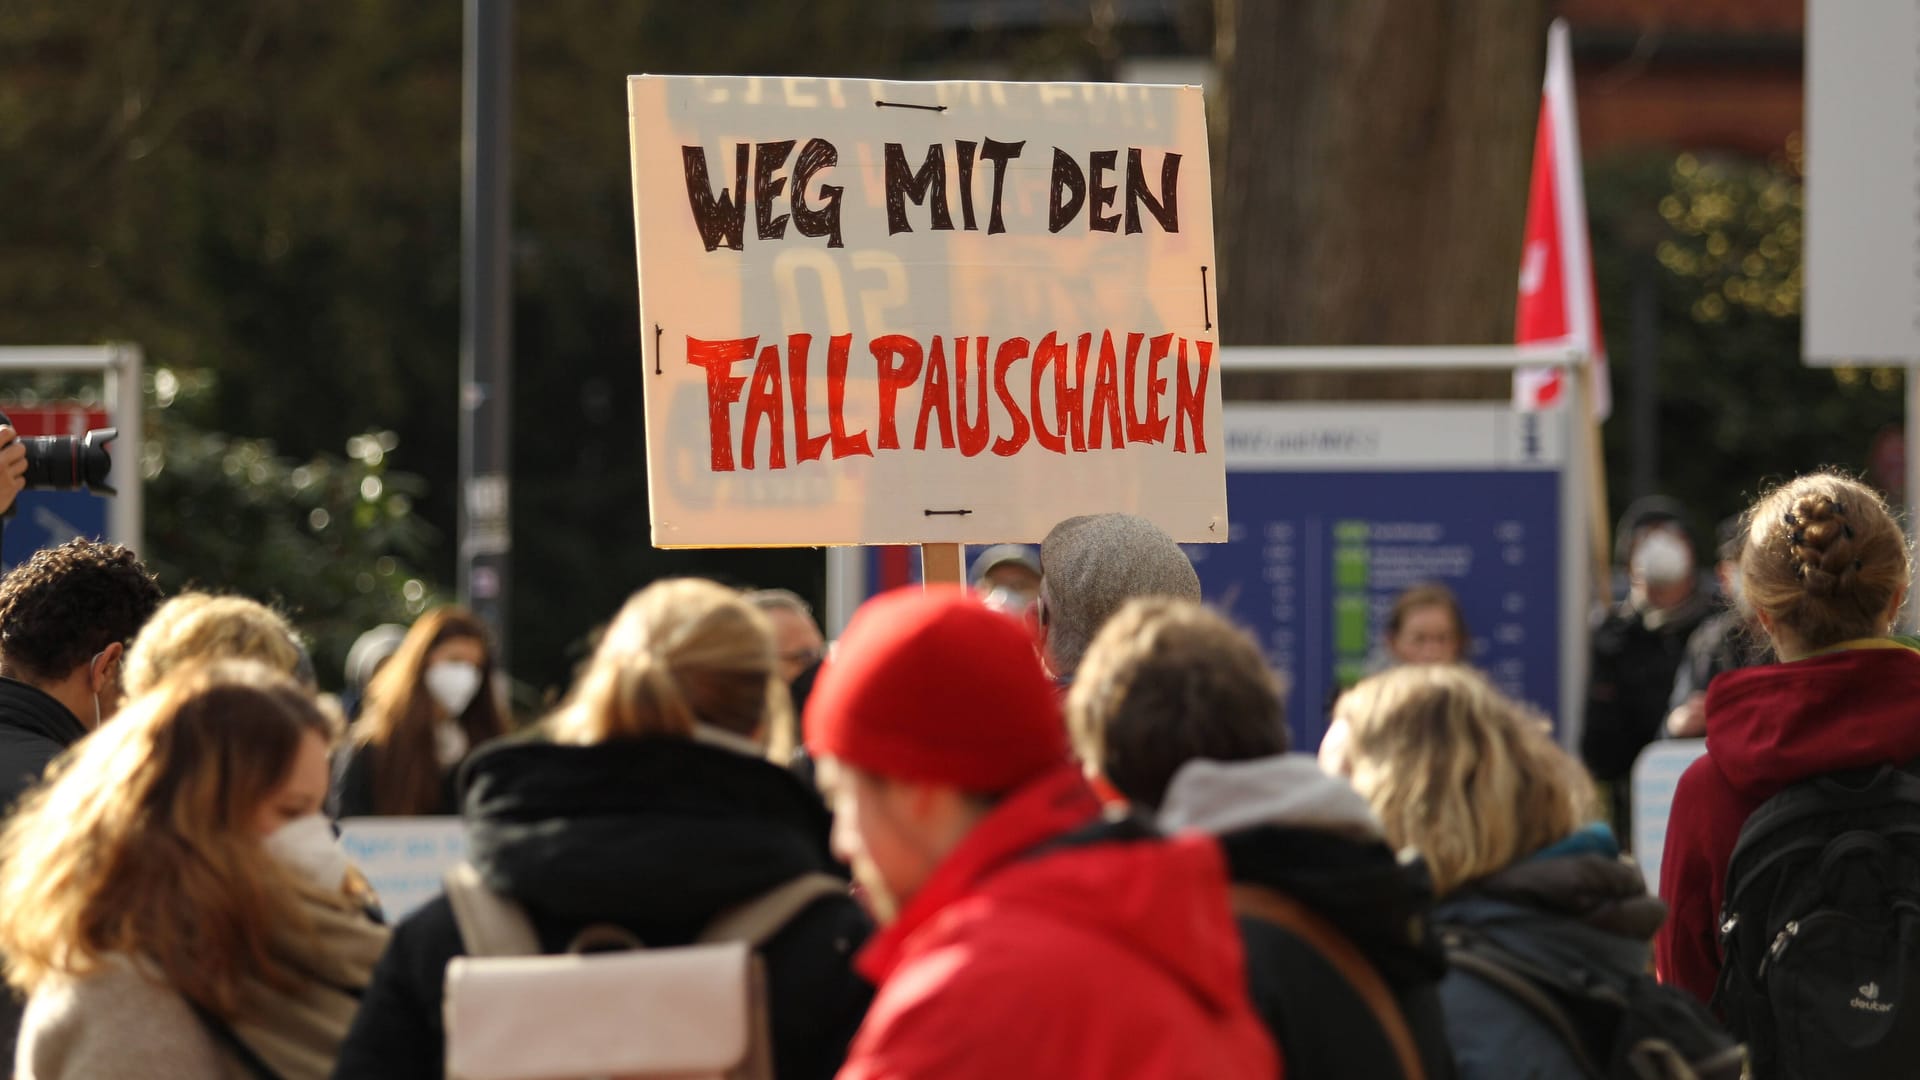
[(1373, 186)]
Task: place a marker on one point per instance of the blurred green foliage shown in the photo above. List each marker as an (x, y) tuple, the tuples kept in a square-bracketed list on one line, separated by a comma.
[(331, 540), (269, 194), (1717, 241)]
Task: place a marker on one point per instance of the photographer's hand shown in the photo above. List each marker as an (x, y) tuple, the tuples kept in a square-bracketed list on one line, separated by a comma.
[(13, 467)]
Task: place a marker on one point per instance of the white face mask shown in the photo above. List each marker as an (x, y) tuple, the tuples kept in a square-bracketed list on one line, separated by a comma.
[(1661, 558), (453, 683), (307, 847), (1011, 601)]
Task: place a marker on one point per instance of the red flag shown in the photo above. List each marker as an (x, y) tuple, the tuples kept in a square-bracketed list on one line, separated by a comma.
[(1556, 306)]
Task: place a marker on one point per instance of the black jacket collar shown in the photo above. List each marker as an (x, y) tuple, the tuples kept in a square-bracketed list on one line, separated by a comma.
[(34, 711), (650, 833)]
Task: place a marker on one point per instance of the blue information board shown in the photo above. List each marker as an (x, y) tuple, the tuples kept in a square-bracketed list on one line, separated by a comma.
[(1337, 510), (1314, 561), (47, 518)]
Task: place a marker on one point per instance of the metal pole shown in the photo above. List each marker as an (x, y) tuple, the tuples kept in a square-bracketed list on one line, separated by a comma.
[(1911, 617), (125, 383), (1646, 380), (486, 319)]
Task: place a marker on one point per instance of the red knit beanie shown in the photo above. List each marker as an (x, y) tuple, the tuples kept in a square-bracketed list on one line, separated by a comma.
[(932, 686)]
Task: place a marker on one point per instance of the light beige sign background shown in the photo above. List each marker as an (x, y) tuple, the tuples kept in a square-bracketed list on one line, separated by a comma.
[(1024, 282)]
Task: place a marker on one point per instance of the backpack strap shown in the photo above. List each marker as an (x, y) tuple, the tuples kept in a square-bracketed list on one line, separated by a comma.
[(759, 919), (490, 924), (1473, 959), (1291, 915)]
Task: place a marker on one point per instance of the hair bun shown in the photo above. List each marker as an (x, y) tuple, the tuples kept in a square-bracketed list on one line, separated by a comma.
[(1820, 542)]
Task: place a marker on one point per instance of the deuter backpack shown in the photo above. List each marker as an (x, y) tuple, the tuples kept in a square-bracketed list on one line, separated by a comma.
[(1636, 1030), (1820, 932), (610, 1007)]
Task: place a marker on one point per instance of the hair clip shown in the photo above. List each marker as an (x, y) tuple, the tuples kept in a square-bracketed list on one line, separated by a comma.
[(1799, 537), (1793, 520), (1846, 531)]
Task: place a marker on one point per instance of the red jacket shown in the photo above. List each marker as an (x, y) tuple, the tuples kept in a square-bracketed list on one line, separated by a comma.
[(1850, 707), (1109, 960)]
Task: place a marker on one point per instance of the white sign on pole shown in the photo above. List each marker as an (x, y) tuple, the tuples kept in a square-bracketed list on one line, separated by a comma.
[(1863, 183), (404, 858), (1656, 773), (952, 312)]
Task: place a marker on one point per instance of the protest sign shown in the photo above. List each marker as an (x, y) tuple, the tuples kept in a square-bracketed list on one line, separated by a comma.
[(931, 313), (404, 858)]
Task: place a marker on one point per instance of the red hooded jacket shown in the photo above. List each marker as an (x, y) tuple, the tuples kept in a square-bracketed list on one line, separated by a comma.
[(1852, 706), (1105, 960)]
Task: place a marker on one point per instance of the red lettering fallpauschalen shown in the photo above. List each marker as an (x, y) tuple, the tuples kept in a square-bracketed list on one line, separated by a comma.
[(1097, 400)]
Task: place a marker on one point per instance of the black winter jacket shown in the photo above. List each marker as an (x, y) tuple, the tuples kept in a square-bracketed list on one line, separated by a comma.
[(655, 835), (1322, 1025), (34, 729), (1635, 656)]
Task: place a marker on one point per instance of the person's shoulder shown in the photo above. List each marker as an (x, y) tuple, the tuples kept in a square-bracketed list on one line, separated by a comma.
[(117, 983), (117, 1015)]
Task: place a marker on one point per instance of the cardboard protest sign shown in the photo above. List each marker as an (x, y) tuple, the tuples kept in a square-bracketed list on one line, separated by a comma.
[(924, 312)]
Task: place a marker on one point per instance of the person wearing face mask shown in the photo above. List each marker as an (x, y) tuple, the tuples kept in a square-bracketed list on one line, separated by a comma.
[(1007, 577), (649, 806), (174, 904), (1726, 641), (1638, 647), (430, 705)]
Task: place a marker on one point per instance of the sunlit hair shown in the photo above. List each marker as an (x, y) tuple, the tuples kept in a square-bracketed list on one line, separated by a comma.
[(681, 652), (199, 627), (142, 845), (1166, 681), (400, 713), (1458, 771), (1824, 560)]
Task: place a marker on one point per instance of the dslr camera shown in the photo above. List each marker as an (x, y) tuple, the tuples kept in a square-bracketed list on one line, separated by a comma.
[(64, 463)]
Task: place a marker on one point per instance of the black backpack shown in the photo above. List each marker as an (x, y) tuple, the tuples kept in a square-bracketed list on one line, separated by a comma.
[(1636, 1030), (1820, 933)]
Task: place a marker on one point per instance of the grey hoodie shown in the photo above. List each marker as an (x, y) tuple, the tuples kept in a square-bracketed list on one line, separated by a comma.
[(1220, 797)]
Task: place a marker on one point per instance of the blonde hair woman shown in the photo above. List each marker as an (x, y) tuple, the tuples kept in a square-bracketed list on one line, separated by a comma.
[(197, 627), (169, 908), (1474, 782), (431, 705), (653, 807), (1824, 572)]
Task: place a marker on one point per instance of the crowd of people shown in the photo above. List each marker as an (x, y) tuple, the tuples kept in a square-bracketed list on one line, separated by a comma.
[(1051, 826)]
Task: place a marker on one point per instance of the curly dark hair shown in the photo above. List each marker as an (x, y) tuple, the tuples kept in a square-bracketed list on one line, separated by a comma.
[(67, 603)]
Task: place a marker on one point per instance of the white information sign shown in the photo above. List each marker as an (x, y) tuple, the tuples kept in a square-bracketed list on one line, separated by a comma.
[(1655, 776), (881, 312), (404, 858), (1863, 182)]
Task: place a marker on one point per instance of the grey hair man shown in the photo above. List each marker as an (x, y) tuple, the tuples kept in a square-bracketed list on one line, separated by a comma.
[(1090, 567)]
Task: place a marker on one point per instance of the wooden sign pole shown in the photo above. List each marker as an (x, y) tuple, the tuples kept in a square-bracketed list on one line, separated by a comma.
[(940, 564)]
